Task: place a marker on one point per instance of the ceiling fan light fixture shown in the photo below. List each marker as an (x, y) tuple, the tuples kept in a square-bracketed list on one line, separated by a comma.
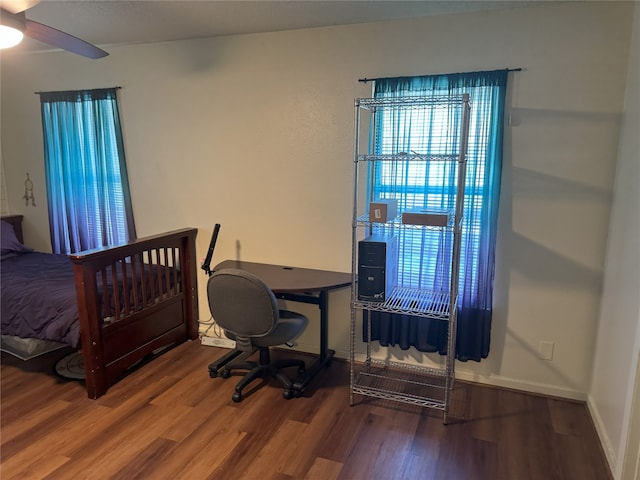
[(9, 36), (12, 28)]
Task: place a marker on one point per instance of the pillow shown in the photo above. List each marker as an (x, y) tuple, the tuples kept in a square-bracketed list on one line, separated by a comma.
[(10, 244)]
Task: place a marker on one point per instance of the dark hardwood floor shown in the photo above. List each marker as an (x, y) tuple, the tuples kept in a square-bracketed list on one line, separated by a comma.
[(169, 420)]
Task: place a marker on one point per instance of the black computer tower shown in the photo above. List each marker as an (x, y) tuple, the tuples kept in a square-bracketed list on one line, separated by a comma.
[(377, 267)]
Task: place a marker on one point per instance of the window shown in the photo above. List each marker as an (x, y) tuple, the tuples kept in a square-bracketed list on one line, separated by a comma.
[(87, 184), (432, 184)]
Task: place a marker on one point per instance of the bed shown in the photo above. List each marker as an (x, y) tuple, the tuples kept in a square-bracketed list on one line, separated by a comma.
[(117, 305)]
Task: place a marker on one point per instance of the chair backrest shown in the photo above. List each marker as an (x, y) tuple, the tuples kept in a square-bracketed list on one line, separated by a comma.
[(241, 303)]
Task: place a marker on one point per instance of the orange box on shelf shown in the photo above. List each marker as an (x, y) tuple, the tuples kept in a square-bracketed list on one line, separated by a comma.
[(426, 216), (382, 211)]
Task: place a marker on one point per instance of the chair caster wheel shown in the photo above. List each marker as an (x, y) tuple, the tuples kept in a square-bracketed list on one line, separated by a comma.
[(287, 394), (236, 397), (224, 373), (297, 393), (213, 373)]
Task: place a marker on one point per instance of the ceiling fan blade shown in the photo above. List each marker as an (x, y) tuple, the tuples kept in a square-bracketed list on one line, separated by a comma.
[(57, 38), (17, 6)]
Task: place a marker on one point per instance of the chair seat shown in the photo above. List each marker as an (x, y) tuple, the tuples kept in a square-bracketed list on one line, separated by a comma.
[(288, 327)]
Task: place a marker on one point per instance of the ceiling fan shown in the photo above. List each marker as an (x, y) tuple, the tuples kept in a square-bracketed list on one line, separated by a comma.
[(12, 15)]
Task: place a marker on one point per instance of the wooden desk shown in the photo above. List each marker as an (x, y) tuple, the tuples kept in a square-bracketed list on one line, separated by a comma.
[(303, 285)]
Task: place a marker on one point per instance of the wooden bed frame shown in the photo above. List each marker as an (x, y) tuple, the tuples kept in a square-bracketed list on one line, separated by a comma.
[(144, 321)]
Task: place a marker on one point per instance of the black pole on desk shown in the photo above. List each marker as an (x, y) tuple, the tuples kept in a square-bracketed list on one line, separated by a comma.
[(206, 265)]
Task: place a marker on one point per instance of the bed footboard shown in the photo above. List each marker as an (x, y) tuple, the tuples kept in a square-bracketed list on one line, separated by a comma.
[(132, 300)]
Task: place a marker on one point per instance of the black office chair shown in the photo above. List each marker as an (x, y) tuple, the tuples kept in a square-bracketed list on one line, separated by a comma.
[(246, 309)]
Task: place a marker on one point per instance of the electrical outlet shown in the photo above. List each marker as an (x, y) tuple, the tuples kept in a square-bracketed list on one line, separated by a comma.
[(545, 349), (218, 342)]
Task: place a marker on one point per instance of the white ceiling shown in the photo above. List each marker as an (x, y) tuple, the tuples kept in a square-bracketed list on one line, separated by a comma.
[(115, 22)]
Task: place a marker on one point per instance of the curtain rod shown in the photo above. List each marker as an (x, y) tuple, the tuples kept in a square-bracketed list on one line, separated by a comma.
[(117, 87), (365, 80)]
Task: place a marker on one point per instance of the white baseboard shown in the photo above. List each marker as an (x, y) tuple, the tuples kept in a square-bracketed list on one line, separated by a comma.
[(522, 385), (605, 441)]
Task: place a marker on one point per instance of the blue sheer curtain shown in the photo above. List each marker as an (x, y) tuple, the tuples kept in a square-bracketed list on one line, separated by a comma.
[(87, 183), (425, 263)]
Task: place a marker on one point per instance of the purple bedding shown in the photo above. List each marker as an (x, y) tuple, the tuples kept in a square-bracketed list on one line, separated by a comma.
[(38, 298), (38, 295)]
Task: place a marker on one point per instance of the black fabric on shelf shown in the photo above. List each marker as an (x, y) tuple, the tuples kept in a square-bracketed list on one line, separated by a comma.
[(430, 335)]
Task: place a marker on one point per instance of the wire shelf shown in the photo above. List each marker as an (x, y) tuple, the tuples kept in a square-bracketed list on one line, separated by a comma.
[(387, 380), (409, 157), (364, 221), (412, 384), (411, 102), (411, 301)]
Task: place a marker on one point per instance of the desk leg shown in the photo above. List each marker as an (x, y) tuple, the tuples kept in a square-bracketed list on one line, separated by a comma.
[(326, 354)]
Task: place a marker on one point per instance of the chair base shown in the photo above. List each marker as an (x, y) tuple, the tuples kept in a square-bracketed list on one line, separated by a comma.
[(228, 357), (265, 368)]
